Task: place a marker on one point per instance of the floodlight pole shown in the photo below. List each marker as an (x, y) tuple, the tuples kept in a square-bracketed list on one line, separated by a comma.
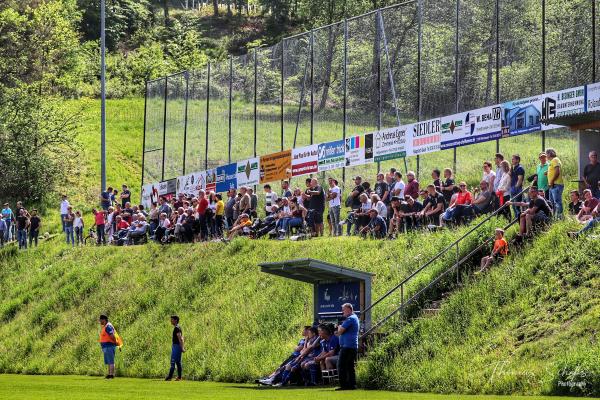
[(102, 95)]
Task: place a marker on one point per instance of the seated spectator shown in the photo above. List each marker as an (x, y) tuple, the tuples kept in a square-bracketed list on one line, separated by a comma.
[(437, 182), (459, 207), (330, 347), (240, 227), (433, 205), (499, 251), (538, 212), (483, 202), (396, 218), (448, 185), (379, 205), (312, 348), (162, 229), (590, 203), (188, 220), (272, 378), (137, 230), (591, 224), (292, 218), (358, 218), (376, 226), (576, 204), (408, 212)]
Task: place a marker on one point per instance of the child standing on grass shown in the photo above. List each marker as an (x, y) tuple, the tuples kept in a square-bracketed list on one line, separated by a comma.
[(177, 349), (499, 252), (78, 225)]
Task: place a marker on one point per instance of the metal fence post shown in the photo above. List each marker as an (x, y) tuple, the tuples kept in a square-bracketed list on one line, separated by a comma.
[(162, 175), (378, 54), (345, 93), (185, 119), (498, 62), (207, 115), (255, 97), (419, 59), (312, 86), (456, 73), (593, 40), (543, 63), (230, 108), (144, 139), (282, 77)]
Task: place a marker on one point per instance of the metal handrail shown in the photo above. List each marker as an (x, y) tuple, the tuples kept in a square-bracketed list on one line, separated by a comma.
[(431, 261)]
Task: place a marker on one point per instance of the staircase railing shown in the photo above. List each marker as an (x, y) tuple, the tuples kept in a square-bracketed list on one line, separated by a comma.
[(456, 265)]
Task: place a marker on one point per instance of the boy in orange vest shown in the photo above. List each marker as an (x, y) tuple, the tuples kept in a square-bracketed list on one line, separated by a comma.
[(108, 342), (500, 250)]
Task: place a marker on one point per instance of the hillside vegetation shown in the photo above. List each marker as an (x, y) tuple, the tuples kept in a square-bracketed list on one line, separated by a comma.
[(529, 326)]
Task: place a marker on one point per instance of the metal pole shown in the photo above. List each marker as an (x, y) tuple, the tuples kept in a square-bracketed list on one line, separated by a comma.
[(162, 176), (207, 116), (593, 40), (498, 62), (187, 91), (378, 55), (543, 62), (255, 98), (419, 65), (230, 100), (312, 86), (456, 72), (282, 120), (103, 95), (389, 66), (345, 89), (144, 139)]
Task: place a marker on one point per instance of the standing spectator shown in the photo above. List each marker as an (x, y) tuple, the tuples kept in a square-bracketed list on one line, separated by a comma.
[(517, 176), (576, 204), (230, 207), (202, 214), (437, 182), (412, 186), (253, 203), (2, 231), (541, 176), (316, 203), (285, 189), (78, 225), (448, 185), (334, 195), (498, 158), (219, 215), (165, 207), (354, 197), (348, 333), (35, 223), (108, 343), (106, 198), (245, 202), (64, 209), (125, 196), (113, 198), (556, 183), (22, 222), (153, 218), (69, 218), (270, 199), (489, 175), (591, 174), (8, 217), (382, 189), (99, 219), (177, 349), (503, 188), (399, 186)]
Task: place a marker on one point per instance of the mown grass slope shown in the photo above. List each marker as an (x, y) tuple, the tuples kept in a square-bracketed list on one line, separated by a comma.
[(528, 326)]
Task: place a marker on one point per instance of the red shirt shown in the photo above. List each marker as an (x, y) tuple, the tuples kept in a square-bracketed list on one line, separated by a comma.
[(464, 198), (122, 225), (412, 189), (202, 206), (99, 218)]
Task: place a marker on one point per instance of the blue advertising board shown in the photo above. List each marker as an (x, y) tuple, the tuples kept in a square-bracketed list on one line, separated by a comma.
[(226, 177), (331, 155), (331, 296)]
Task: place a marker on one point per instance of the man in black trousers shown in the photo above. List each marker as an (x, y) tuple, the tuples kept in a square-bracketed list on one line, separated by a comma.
[(348, 333)]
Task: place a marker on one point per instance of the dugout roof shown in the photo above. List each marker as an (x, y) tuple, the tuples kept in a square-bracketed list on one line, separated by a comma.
[(313, 271), (582, 121)]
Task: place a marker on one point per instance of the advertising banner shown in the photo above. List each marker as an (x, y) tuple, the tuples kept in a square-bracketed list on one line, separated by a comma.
[(359, 150), (190, 184), (305, 160), (331, 296), (226, 177), (210, 183), (276, 166), (424, 137), (390, 144), (592, 98), (167, 189), (149, 195), (331, 155), (521, 116), (471, 127), (248, 172), (563, 102)]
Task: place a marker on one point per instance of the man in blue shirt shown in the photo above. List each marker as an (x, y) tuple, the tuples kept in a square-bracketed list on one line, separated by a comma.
[(517, 176), (348, 333), (8, 217)]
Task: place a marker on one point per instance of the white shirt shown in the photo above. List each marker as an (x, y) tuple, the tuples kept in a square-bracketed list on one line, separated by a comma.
[(504, 184), (499, 174), (337, 201), (78, 222), (488, 177), (381, 209), (270, 199), (365, 207), (64, 207), (399, 186)]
